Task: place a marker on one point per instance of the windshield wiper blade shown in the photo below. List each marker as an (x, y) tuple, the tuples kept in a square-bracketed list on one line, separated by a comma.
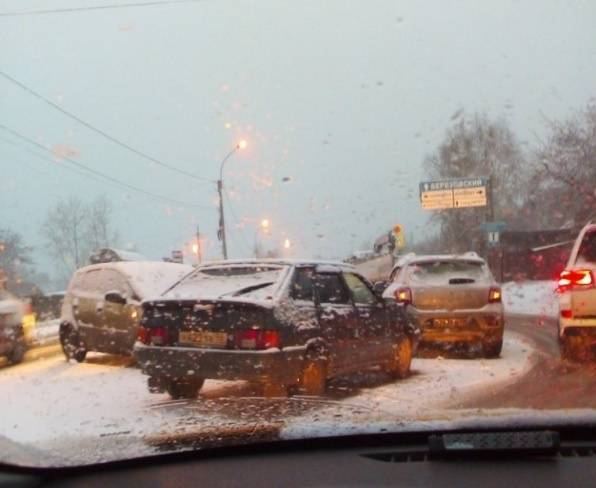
[(248, 289)]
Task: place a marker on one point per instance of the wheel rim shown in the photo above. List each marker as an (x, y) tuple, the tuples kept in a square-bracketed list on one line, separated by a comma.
[(404, 357), (313, 378)]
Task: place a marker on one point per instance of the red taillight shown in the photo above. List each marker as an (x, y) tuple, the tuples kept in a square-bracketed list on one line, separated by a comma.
[(574, 277), (155, 336), (256, 339), (567, 314), (494, 295), (143, 335), (403, 295)]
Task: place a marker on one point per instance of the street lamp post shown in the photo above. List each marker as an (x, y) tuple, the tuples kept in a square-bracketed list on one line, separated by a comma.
[(221, 233)]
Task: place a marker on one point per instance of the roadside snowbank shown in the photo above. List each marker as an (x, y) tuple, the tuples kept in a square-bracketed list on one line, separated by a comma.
[(435, 386), (531, 298)]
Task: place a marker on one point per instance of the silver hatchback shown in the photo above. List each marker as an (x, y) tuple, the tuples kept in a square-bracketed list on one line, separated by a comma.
[(452, 298)]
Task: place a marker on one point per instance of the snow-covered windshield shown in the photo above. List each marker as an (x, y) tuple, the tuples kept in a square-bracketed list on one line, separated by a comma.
[(252, 281), (236, 221)]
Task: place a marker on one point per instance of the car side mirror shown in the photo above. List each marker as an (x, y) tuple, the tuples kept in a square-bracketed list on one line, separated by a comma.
[(379, 287), (115, 297)]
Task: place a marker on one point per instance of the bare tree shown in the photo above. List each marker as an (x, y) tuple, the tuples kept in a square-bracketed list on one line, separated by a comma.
[(565, 172), (477, 147), (73, 229), (15, 258), (99, 228)]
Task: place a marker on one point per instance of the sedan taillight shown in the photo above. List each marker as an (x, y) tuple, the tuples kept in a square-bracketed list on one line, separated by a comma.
[(403, 295), (570, 278), (256, 339), (154, 336), (494, 295)]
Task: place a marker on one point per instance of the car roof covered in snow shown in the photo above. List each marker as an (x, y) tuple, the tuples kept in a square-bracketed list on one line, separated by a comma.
[(147, 278)]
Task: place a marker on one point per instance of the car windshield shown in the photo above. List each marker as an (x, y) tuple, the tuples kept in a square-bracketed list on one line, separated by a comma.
[(587, 249), (239, 222), (444, 272), (256, 281)]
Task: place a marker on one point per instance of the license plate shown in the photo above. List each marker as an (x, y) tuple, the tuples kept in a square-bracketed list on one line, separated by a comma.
[(203, 338), (449, 322)]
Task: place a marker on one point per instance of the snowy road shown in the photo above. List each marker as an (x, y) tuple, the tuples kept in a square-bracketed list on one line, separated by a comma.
[(100, 408)]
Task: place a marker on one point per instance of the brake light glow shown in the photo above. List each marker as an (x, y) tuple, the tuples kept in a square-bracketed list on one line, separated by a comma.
[(143, 335), (494, 295), (403, 295), (567, 314), (155, 336), (570, 278), (256, 339)]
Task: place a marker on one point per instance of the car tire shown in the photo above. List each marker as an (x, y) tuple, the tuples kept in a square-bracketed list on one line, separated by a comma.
[(492, 350), (17, 354), (180, 389), (571, 348), (399, 367), (72, 345), (313, 380)]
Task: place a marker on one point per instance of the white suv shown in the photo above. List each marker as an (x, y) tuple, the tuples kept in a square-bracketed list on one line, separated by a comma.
[(577, 298)]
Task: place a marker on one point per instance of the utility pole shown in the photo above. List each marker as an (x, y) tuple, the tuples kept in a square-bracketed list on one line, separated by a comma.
[(221, 233)]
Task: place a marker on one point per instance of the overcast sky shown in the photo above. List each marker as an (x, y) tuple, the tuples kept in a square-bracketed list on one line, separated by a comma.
[(343, 97)]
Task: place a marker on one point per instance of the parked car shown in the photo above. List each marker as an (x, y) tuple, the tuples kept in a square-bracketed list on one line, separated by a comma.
[(12, 337), (454, 299), (288, 325), (577, 298), (102, 306)]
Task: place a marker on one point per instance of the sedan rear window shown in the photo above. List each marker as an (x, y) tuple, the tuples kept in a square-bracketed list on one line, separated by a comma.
[(220, 281), (447, 271)]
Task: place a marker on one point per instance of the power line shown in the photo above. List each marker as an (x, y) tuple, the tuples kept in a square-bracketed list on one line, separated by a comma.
[(96, 7), (43, 158), (99, 131), (101, 175)]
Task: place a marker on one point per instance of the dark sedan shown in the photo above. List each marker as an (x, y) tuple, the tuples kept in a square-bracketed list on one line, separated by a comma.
[(288, 325)]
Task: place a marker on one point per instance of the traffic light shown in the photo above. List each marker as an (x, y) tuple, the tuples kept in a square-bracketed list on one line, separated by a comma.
[(400, 237)]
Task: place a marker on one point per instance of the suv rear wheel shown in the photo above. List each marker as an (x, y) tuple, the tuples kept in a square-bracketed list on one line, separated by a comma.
[(184, 388), (572, 348), (72, 345)]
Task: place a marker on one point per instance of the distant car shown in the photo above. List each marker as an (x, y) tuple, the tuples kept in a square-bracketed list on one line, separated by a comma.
[(454, 299), (287, 325), (12, 337), (102, 307), (577, 298)]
